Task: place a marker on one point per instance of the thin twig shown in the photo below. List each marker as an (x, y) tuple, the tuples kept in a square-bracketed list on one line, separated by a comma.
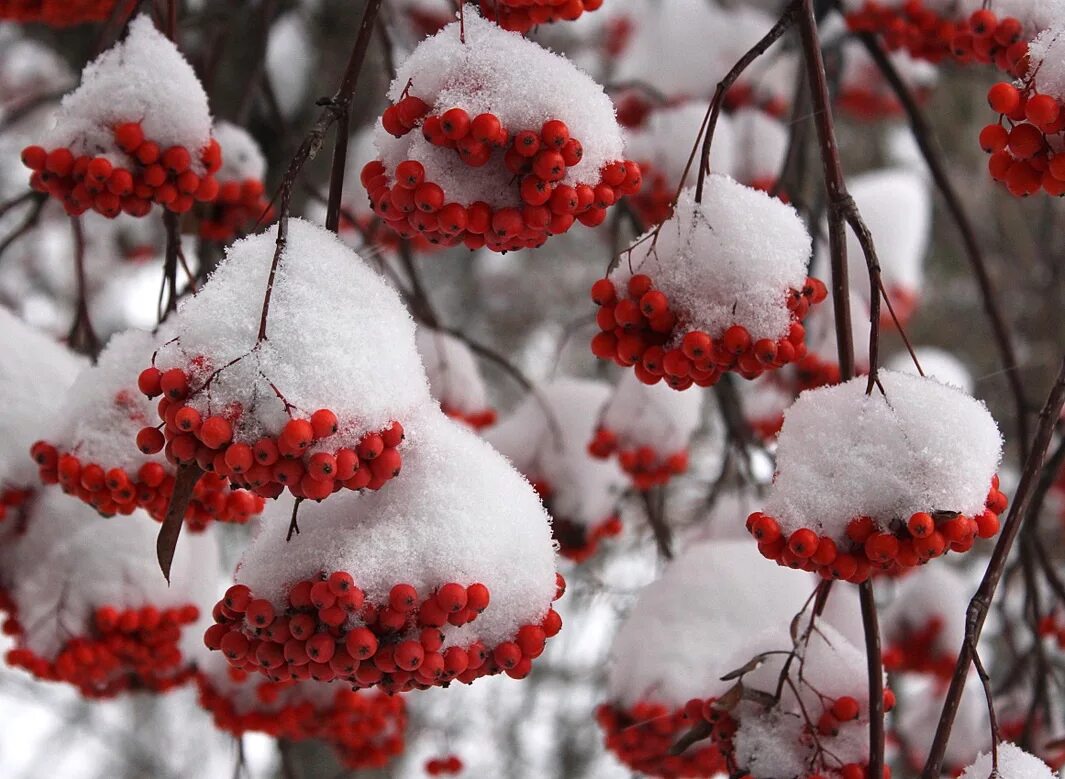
[(29, 222), (81, 337)]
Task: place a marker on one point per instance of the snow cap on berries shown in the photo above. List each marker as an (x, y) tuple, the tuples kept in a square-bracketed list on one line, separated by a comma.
[(454, 378), (936, 363), (337, 337), (241, 156), (651, 415), (34, 372), (761, 143), (729, 260), (664, 142), (458, 513), (145, 79), (919, 446), (522, 84), (554, 450), (1013, 762)]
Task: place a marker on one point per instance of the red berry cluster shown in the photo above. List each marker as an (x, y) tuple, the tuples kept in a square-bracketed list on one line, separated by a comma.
[(522, 15), (163, 176), (443, 766), (1023, 142), (329, 630), (983, 37), (125, 649), (916, 649), (654, 203), (642, 738), (270, 465), (640, 331), (538, 160), (366, 729), (1052, 625), (114, 491), (240, 205), (478, 420), (576, 542), (647, 467), (877, 546), (11, 499), (813, 371), (57, 13)]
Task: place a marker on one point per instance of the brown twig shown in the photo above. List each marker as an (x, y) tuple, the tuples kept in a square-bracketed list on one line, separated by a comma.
[(169, 289), (659, 527), (1023, 507), (81, 337), (33, 216)]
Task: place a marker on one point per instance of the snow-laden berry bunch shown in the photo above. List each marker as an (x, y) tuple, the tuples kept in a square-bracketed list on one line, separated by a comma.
[(523, 15), (1026, 142), (136, 132), (909, 478), (57, 13), (37, 370), (925, 623), (305, 394), (439, 577), (819, 367), (365, 729), (1013, 762), (455, 382), (866, 95), (649, 428), (88, 604), (720, 286), (546, 439), (493, 141), (680, 639), (88, 446), (240, 204)]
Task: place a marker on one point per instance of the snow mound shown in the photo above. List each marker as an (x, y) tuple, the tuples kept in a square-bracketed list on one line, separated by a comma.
[(242, 158), (1013, 762), (651, 415), (761, 145), (938, 364), (665, 141), (455, 381)]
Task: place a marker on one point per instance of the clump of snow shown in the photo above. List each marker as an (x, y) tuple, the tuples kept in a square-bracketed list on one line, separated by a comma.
[(920, 446), (142, 79), (242, 158), (761, 144), (546, 438), (938, 364), (103, 410), (933, 592), (454, 378), (665, 141), (34, 372), (290, 61), (338, 337), (522, 84), (764, 402), (731, 259), (651, 415), (1013, 762), (458, 513), (971, 733)]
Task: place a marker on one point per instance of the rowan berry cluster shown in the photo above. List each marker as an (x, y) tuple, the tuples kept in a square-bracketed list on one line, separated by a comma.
[(646, 466), (888, 544), (536, 159), (443, 766), (114, 491), (12, 498), (643, 736), (57, 13), (576, 541), (1022, 143), (916, 649), (925, 34), (155, 175), (239, 206), (365, 729), (522, 15), (124, 649), (329, 630), (641, 331), (478, 420), (294, 459)]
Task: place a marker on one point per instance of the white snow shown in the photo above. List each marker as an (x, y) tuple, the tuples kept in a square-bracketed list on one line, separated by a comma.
[(761, 144), (666, 139), (1013, 762), (652, 415), (729, 260), (454, 378), (923, 446), (241, 157), (290, 61), (936, 363), (931, 592)]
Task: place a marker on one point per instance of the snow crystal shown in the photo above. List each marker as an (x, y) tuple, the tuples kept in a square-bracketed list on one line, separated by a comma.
[(454, 378), (584, 490), (104, 410), (241, 157), (761, 144), (666, 139), (338, 337), (652, 415), (74, 561), (921, 447), (458, 513), (693, 625), (1013, 763), (521, 83), (34, 372), (938, 364), (141, 79), (728, 260)]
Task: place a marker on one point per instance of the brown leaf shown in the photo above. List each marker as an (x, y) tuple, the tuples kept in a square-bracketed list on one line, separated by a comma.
[(166, 542)]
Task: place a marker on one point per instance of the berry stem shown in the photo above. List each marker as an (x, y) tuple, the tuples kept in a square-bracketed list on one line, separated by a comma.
[(654, 504), (922, 133), (81, 336), (293, 523), (29, 222), (171, 222), (1026, 502)]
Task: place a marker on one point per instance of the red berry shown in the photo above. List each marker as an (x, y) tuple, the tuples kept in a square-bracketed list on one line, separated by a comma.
[(1003, 98), (216, 432), (455, 123), (297, 434), (323, 423), (485, 127)]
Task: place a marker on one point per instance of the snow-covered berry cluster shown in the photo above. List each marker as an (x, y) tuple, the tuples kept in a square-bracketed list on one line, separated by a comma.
[(917, 479), (454, 379), (925, 624), (523, 15), (720, 286), (240, 203), (135, 133), (493, 141)]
